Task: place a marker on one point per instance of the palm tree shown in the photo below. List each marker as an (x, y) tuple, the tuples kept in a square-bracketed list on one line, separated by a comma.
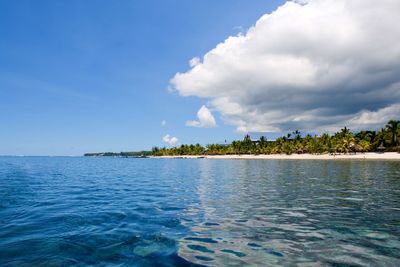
[(247, 144), (236, 147), (346, 143), (393, 126), (364, 146), (344, 131), (262, 142), (297, 134)]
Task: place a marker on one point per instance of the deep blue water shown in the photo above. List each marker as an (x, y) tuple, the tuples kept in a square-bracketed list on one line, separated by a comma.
[(60, 211)]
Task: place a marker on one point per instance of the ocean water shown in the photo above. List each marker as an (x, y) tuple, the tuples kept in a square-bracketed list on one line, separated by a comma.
[(65, 211)]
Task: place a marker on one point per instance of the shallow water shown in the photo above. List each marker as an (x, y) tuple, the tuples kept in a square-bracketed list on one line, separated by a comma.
[(60, 211)]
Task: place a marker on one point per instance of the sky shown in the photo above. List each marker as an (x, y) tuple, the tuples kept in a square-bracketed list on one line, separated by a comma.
[(91, 76)]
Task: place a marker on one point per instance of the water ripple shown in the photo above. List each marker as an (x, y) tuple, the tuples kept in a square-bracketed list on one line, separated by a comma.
[(158, 212)]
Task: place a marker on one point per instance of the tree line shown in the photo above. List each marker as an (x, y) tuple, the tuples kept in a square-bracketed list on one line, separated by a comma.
[(343, 141), (132, 154)]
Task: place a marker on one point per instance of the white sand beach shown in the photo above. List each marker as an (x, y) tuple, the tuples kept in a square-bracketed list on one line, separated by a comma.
[(358, 156)]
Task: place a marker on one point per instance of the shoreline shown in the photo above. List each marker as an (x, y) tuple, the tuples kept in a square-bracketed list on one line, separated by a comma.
[(358, 156)]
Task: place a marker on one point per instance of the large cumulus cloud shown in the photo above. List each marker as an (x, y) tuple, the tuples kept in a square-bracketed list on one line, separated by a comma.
[(309, 65)]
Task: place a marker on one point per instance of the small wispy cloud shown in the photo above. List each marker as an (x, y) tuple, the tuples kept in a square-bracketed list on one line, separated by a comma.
[(170, 140), (19, 82), (163, 123), (205, 119)]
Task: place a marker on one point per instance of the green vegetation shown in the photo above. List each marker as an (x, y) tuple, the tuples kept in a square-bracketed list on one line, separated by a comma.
[(135, 154), (343, 141)]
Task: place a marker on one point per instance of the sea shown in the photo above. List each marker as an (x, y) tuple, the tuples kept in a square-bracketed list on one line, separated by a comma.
[(105, 211)]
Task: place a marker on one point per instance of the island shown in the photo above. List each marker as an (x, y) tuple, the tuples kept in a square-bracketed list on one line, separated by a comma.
[(344, 144)]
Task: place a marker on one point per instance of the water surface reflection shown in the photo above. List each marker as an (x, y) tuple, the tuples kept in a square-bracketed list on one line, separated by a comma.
[(165, 212), (295, 212)]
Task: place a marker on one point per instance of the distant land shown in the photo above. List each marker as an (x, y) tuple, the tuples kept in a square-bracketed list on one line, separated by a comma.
[(341, 142), (132, 154)]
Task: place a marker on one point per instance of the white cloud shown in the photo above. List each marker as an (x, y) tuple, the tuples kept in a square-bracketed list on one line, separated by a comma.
[(163, 123), (172, 141), (194, 62), (309, 65), (377, 118), (205, 119)]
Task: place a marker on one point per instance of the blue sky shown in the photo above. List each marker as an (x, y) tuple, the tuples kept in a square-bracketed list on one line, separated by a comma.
[(86, 76), (90, 76)]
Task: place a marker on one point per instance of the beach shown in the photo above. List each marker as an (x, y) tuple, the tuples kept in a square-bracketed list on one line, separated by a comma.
[(357, 156)]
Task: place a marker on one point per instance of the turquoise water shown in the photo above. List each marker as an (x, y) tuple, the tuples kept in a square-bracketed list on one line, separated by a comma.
[(59, 211)]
